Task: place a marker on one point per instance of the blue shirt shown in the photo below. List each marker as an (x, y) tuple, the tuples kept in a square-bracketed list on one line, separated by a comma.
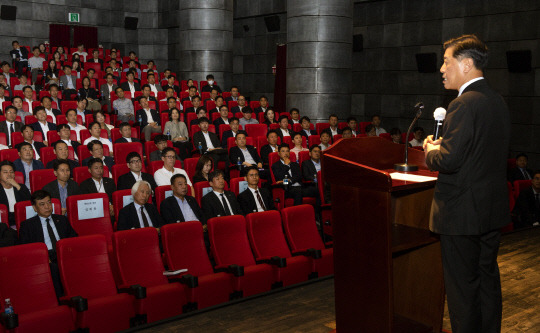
[(63, 194), (27, 169), (46, 236), (186, 210), (317, 165)]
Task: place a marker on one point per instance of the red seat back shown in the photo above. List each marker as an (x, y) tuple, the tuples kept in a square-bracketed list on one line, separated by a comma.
[(189, 165), (255, 130), (40, 178), (265, 235), (300, 228), (9, 155), (314, 140), (138, 257), (115, 134), (520, 185), (321, 127), (229, 242), (183, 245), (81, 174), (90, 226), (121, 150), (24, 211), (84, 153), (66, 105)]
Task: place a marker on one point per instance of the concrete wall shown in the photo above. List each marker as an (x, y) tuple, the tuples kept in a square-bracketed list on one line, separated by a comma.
[(386, 80)]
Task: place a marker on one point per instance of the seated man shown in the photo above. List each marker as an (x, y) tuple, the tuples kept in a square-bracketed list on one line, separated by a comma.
[(146, 92), (371, 130), (241, 105), (11, 192), (160, 141), (163, 175), (47, 228), (26, 162), (154, 87), (224, 117), (71, 116), (62, 153), (125, 130), (376, 121), (134, 163), (201, 113), (107, 89), (295, 116), (81, 110), (333, 129), (520, 172), (123, 106), (271, 147), (244, 156), (219, 202), (346, 133), (233, 132), (130, 85), (53, 91), (68, 81), (192, 92), (65, 135), (255, 199), (351, 122), (418, 140), (42, 125), (263, 102), (283, 130), (46, 102), (219, 103), (96, 149), (310, 168), (28, 136), (139, 213), (149, 119), (306, 127), (63, 186), (180, 207), (28, 97), (196, 101), (210, 86), (208, 143), (289, 175), (527, 210), (234, 94), (97, 183), (95, 135), (10, 125), (247, 118)]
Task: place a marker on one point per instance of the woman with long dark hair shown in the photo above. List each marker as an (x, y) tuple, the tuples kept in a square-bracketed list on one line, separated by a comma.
[(202, 169)]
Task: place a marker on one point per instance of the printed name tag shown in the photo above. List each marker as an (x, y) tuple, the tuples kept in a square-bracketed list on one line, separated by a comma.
[(168, 194), (127, 199), (206, 190), (242, 186), (90, 209)]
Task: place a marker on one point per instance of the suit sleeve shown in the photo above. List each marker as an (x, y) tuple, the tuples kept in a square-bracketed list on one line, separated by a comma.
[(166, 212), (458, 132), (296, 173), (207, 208), (244, 203), (270, 201), (70, 232), (25, 236), (278, 171), (307, 173), (123, 219)]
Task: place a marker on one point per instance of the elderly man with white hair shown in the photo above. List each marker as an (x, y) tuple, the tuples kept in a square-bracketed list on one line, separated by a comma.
[(139, 213)]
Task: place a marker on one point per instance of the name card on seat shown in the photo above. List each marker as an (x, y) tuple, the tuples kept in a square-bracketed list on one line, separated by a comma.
[(168, 194), (206, 190), (90, 209), (242, 186), (126, 200)]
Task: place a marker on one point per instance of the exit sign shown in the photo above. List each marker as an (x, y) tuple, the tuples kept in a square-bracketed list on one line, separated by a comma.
[(74, 17)]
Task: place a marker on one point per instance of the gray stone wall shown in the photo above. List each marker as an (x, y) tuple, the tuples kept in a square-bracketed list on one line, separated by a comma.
[(386, 80)]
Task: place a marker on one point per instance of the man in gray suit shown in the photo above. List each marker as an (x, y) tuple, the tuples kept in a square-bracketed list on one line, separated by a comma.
[(470, 203), (107, 89), (68, 82)]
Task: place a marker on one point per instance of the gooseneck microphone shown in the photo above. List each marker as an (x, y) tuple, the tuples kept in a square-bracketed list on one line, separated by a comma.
[(439, 114), (419, 107)]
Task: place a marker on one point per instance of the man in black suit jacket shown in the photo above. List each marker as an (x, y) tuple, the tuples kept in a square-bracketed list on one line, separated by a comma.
[(520, 172), (139, 213), (233, 132), (244, 156), (46, 102), (210, 85), (134, 163), (223, 119), (65, 135), (263, 102), (271, 147), (125, 130), (20, 191), (527, 209), (63, 174), (95, 59), (170, 84), (241, 105), (148, 126), (219, 202), (97, 183), (204, 138), (284, 167), (306, 131), (180, 207), (62, 153), (20, 57), (130, 83), (96, 149), (255, 199), (234, 94), (470, 203), (10, 124), (146, 93), (28, 136), (41, 115), (196, 101)]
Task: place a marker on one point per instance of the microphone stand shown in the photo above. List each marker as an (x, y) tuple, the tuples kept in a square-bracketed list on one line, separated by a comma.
[(405, 167)]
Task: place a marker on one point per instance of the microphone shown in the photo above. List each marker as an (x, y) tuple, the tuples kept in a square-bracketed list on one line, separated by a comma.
[(419, 107), (439, 114)]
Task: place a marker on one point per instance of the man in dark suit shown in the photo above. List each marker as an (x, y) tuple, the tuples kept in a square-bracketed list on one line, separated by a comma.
[(209, 143), (271, 147), (65, 135), (26, 163), (192, 92), (223, 119), (148, 119), (255, 199), (526, 212), (306, 130), (10, 125), (180, 207), (232, 133), (288, 174), (53, 91), (201, 113), (11, 192), (196, 101), (263, 102), (170, 84), (470, 203), (20, 57), (125, 130), (241, 105), (234, 94), (146, 93), (139, 213), (333, 129), (28, 136), (42, 125), (210, 85), (63, 186), (57, 227), (219, 202), (46, 102), (68, 82), (62, 154), (309, 174), (96, 149), (130, 85), (520, 172), (244, 156), (134, 163), (107, 89), (97, 183), (95, 59)]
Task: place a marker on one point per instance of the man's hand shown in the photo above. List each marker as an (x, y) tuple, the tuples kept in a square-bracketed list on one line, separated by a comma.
[(286, 160), (14, 183), (111, 210), (64, 211), (430, 145)]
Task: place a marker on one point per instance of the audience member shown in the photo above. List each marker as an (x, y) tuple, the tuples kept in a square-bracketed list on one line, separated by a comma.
[(91, 95), (269, 117), (65, 135), (147, 92), (81, 108), (177, 132), (346, 133), (26, 161), (313, 165), (201, 113), (160, 141), (125, 131), (180, 207), (395, 134), (28, 136), (244, 156), (418, 140), (19, 56), (241, 105), (139, 213), (234, 123), (306, 131), (376, 121), (155, 88), (283, 130), (189, 83), (71, 116), (99, 117), (53, 92), (10, 125), (220, 101), (255, 199), (371, 130), (135, 163), (52, 74), (297, 140), (210, 85), (234, 94), (11, 192), (5, 70), (171, 80), (107, 89), (208, 143), (219, 202), (63, 186), (95, 58), (61, 151), (95, 148), (202, 169), (46, 102), (326, 141), (192, 92), (352, 123), (97, 183), (36, 64), (288, 174), (67, 81), (130, 85), (295, 116), (163, 175), (224, 117), (81, 52), (263, 106), (246, 119), (196, 101), (271, 147), (123, 106), (520, 172), (527, 209), (17, 102), (95, 135), (149, 119)]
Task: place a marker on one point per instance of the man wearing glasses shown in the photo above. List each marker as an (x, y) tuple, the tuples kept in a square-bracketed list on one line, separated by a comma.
[(163, 175), (134, 163), (10, 125)]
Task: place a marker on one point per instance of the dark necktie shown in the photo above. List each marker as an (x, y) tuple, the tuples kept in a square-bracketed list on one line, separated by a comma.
[(51, 233), (144, 219), (11, 130), (525, 174), (260, 200), (225, 206)]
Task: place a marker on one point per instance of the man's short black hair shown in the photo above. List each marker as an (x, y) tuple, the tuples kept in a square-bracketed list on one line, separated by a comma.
[(270, 132), (61, 127), (282, 117), (218, 97), (166, 150), (233, 119), (93, 161), (251, 167), (369, 128), (196, 97), (24, 127), (203, 120), (214, 174), (469, 46), (223, 106), (23, 144), (283, 145), (92, 124), (145, 86), (11, 107), (305, 118), (522, 155), (313, 147), (54, 85), (346, 129), (92, 143), (178, 175), (90, 70), (192, 87), (46, 97), (123, 124), (57, 163), (38, 108), (55, 144), (27, 87), (160, 138), (395, 131), (132, 155), (418, 128), (209, 76), (534, 173), (294, 135), (293, 109), (39, 195), (8, 163), (349, 119)]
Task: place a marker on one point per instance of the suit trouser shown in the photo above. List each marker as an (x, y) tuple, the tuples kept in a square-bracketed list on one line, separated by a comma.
[(148, 130), (472, 281)]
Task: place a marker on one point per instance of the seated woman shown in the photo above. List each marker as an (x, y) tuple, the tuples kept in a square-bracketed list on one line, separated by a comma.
[(99, 117), (326, 141), (189, 84), (395, 134), (202, 169), (76, 68), (52, 73), (62, 53), (297, 140), (177, 132), (269, 117), (90, 94)]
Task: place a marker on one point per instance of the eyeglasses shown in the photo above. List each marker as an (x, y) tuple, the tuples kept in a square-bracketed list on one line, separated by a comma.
[(135, 161), (169, 156)]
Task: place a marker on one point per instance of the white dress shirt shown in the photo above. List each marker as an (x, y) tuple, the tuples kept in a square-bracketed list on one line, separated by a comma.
[(468, 83), (44, 128), (138, 209), (226, 200), (50, 113), (208, 141), (163, 176), (46, 236), (99, 185)]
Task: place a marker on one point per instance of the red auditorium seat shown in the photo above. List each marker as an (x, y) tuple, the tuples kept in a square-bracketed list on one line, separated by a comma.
[(86, 272), (16, 137), (314, 140), (189, 165), (53, 136), (40, 178), (81, 174), (66, 105), (183, 245), (84, 153), (267, 241), (236, 182), (23, 210), (302, 236), (231, 251), (25, 278), (47, 154), (139, 262), (9, 154), (85, 134), (121, 150), (3, 137), (150, 146), (256, 130), (520, 185), (201, 189), (85, 224), (386, 136), (321, 127)]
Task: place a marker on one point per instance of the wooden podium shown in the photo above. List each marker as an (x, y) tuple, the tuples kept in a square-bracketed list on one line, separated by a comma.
[(388, 271)]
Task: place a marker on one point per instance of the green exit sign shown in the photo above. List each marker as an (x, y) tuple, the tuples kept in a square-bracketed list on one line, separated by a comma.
[(74, 17)]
